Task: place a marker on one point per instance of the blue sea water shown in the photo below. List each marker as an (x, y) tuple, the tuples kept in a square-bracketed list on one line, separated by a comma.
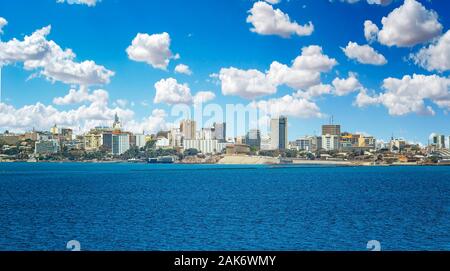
[(216, 207)]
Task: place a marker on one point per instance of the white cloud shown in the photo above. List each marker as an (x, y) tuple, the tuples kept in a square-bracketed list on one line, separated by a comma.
[(408, 95), (363, 99), (203, 97), (344, 86), (370, 31), (289, 106), (90, 3), (304, 73), (364, 54), (273, 2), (245, 83), (408, 25), (313, 59), (51, 61), (436, 56), (152, 49), (280, 74), (184, 69), (3, 22), (269, 21), (372, 2), (152, 124), (169, 91), (82, 95), (41, 117), (314, 91)]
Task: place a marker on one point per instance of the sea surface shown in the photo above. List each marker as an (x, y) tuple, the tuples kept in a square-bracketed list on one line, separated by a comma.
[(217, 207)]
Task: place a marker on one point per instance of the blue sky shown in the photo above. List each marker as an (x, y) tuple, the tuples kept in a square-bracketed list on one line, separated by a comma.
[(211, 35)]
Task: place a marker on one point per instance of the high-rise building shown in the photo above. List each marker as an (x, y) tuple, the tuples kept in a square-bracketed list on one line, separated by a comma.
[(188, 128), (439, 141), (120, 143), (331, 129), (253, 138), (279, 133), (220, 131)]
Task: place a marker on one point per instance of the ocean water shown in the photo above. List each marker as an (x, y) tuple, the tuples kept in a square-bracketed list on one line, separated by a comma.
[(216, 207)]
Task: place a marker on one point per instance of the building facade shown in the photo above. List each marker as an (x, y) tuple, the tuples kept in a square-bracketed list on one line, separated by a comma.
[(253, 138), (220, 131), (189, 129), (279, 133), (120, 143), (205, 146), (46, 147), (330, 142)]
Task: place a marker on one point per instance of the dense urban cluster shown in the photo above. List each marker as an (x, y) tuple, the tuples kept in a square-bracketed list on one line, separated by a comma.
[(187, 144)]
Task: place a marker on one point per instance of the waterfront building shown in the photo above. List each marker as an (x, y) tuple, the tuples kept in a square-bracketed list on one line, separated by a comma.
[(107, 141), (279, 133), (93, 141), (220, 131), (330, 142), (120, 143), (140, 140), (46, 147), (162, 142), (438, 141), (204, 146), (397, 145), (253, 138), (303, 143), (188, 128), (175, 138), (266, 143)]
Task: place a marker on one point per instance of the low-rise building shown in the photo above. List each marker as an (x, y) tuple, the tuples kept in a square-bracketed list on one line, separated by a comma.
[(204, 146), (46, 147)]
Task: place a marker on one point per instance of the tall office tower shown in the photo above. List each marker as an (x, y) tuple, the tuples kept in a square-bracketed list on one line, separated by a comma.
[(279, 133), (189, 129), (439, 141), (253, 138), (220, 131), (331, 129)]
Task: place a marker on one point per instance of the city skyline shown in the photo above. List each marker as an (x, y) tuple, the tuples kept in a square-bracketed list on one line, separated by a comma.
[(92, 68)]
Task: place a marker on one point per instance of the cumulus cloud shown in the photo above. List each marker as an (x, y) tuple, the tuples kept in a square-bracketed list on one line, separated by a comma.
[(372, 2), (435, 57), (245, 83), (152, 124), (344, 86), (90, 3), (303, 73), (408, 25), (51, 61), (42, 116), (81, 95), (169, 91), (152, 49), (3, 22), (203, 97), (269, 21), (273, 2), (184, 69), (364, 54), (370, 31), (314, 91), (409, 94), (288, 106)]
